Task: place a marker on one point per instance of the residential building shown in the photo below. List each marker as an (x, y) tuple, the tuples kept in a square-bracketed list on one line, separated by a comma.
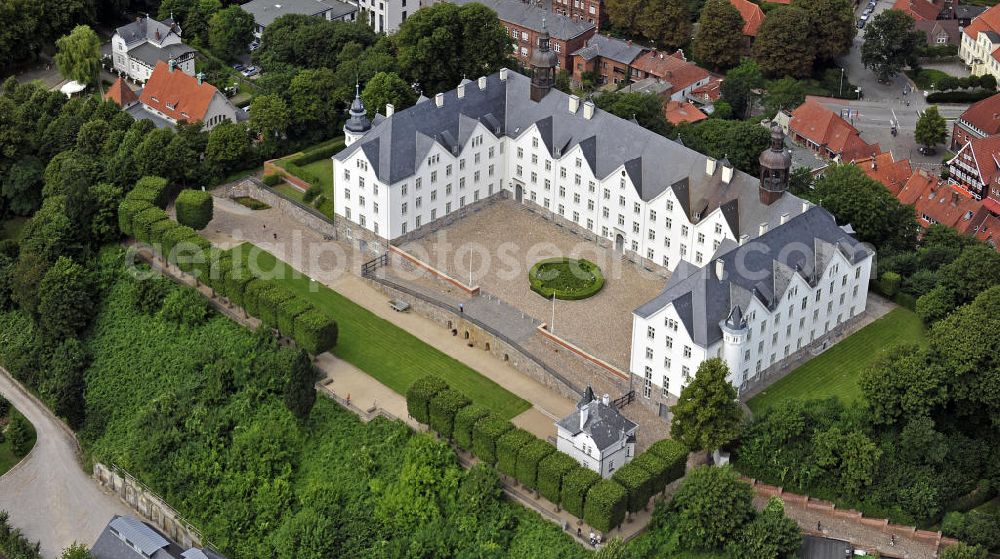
[(921, 10), (610, 60), (752, 16), (126, 537), (941, 31), (756, 305), (980, 120), (174, 96), (138, 47), (264, 12), (827, 134), (591, 11), (122, 94), (597, 435), (976, 165), (525, 23), (886, 170), (677, 112), (965, 13), (980, 41), (673, 69), (936, 201)]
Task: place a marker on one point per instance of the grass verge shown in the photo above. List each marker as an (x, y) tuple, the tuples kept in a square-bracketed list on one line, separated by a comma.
[(388, 353), (835, 371)]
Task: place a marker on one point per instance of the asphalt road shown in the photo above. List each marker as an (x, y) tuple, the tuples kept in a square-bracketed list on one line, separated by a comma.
[(48, 495)]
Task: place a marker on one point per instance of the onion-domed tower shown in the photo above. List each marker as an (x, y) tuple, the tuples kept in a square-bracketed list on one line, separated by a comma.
[(775, 163), (543, 67), (358, 123)]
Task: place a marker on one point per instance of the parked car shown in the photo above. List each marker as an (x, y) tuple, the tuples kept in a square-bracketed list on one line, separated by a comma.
[(238, 67), (867, 11), (250, 71), (927, 150), (254, 45), (861, 23)]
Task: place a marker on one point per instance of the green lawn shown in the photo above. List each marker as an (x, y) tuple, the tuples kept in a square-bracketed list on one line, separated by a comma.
[(835, 371), (12, 228), (926, 78), (290, 191), (381, 349)]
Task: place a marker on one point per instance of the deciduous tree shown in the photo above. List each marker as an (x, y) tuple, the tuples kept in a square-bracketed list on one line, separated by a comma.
[(646, 108), (711, 507), (300, 389), (783, 45), (786, 93), (707, 414), (718, 42), (66, 298), (890, 43), (230, 32), (931, 128), (737, 88), (79, 55), (666, 22), (832, 27), (387, 87)]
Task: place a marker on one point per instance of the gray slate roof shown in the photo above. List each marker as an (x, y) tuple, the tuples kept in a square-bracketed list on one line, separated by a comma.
[(145, 29), (396, 145), (530, 16), (264, 12), (605, 424), (608, 47), (151, 54), (968, 11), (153, 544), (804, 245)]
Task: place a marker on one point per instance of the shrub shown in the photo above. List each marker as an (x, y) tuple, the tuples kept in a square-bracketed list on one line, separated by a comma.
[(575, 485), (236, 279), (190, 251), (566, 278), (159, 231), (657, 468), (959, 96), (465, 420), (527, 461), (154, 190), (889, 283), (551, 470), (269, 304), (638, 482), (194, 208), (312, 192), (173, 238), (252, 294), (674, 454), (420, 394), (605, 505), (273, 180), (288, 311), (185, 306), (19, 433), (444, 405), (315, 332), (127, 211), (143, 222), (507, 448), (485, 434), (206, 264)]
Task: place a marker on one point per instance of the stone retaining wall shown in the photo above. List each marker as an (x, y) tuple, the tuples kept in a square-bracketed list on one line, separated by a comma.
[(468, 289), (254, 188), (602, 364), (270, 168), (451, 218)]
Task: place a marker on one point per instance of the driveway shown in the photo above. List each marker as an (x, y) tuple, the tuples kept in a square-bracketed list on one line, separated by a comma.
[(48, 495)]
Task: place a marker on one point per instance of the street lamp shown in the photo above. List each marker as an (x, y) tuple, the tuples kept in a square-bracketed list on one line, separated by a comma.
[(841, 82)]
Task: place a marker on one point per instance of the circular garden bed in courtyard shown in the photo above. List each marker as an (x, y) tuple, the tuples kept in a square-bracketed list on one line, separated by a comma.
[(566, 278)]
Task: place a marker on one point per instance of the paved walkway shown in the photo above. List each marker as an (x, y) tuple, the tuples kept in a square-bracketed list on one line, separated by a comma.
[(48, 495)]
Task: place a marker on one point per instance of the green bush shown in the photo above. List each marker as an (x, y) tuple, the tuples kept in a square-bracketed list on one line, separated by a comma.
[(251, 294), (528, 458), (605, 505), (273, 180), (316, 154), (190, 251), (419, 396), (550, 475), (287, 313), (176, 236), (638, 482), (207, 265), (236, 279), (315, 332), (155, 190), (566, 278), (312, 192), (159, 231), (507, 447), (127, 211), (465, 420), (959, 96), (143, 222), (674, 454), (485, 435), (889, 283), (19, 434), (194, 208), (657, 468), (443, 408), (269, 305), (575, 486)]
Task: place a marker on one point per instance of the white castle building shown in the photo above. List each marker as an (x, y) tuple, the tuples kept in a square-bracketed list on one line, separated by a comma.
[(648, 196)]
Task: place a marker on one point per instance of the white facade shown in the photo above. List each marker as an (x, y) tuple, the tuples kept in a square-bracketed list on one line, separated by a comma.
[(665, 356), (977, 53), (140, 70), (385, 16), (604, 454)]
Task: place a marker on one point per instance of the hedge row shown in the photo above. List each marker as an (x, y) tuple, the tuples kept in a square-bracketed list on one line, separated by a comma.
[(959, 96), (141, 215), (194, 208), (537, 465), (308, 157)]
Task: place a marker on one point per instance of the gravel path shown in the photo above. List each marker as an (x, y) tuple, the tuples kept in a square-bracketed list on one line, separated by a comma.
[(48, 495)]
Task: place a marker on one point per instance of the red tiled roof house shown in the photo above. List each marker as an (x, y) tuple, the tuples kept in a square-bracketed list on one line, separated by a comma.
[(980, 120), (827, 134), (175, 96)]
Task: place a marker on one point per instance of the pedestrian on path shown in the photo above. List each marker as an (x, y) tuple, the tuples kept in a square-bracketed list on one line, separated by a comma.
[(593, 539), (892, 540), (819, 527), (461, 308), (275, 236), (579, 532)]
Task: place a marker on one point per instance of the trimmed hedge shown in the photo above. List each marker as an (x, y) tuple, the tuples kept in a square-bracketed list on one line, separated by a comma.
[(194, 208), (127, 211), (315, 332), (575, 485), (656, 466), (638, 482), (190, 251), (288, 312), (308, 157), (485, 435), (674, 454), (236, 279), (419, 395), (507, 449), (959, 96), (252, 295), (551, 470), (565, 282), (605, 505), (465, 420), (528, 459), (160, 230), (142, 223), (444, 405), (152, 189), (270, 303), (273, 180)]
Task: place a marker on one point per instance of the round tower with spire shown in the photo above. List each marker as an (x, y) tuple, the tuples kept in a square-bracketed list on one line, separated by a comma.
[(775, 163), (543, 67), (358, 124), (734, 339)]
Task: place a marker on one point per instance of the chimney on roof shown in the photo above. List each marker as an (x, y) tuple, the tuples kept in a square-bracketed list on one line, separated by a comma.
[(720, 269), (389, 109), (761, 229), (744, 239), (874, 164), (171, 64), (588, 110), (439, 99), (727, 173), (784, 218), (482, 82), (461, 91), (954, 198), (584, 415), (710, 165), (574, 104), (503, 74), (805, 206), (606, 399)]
